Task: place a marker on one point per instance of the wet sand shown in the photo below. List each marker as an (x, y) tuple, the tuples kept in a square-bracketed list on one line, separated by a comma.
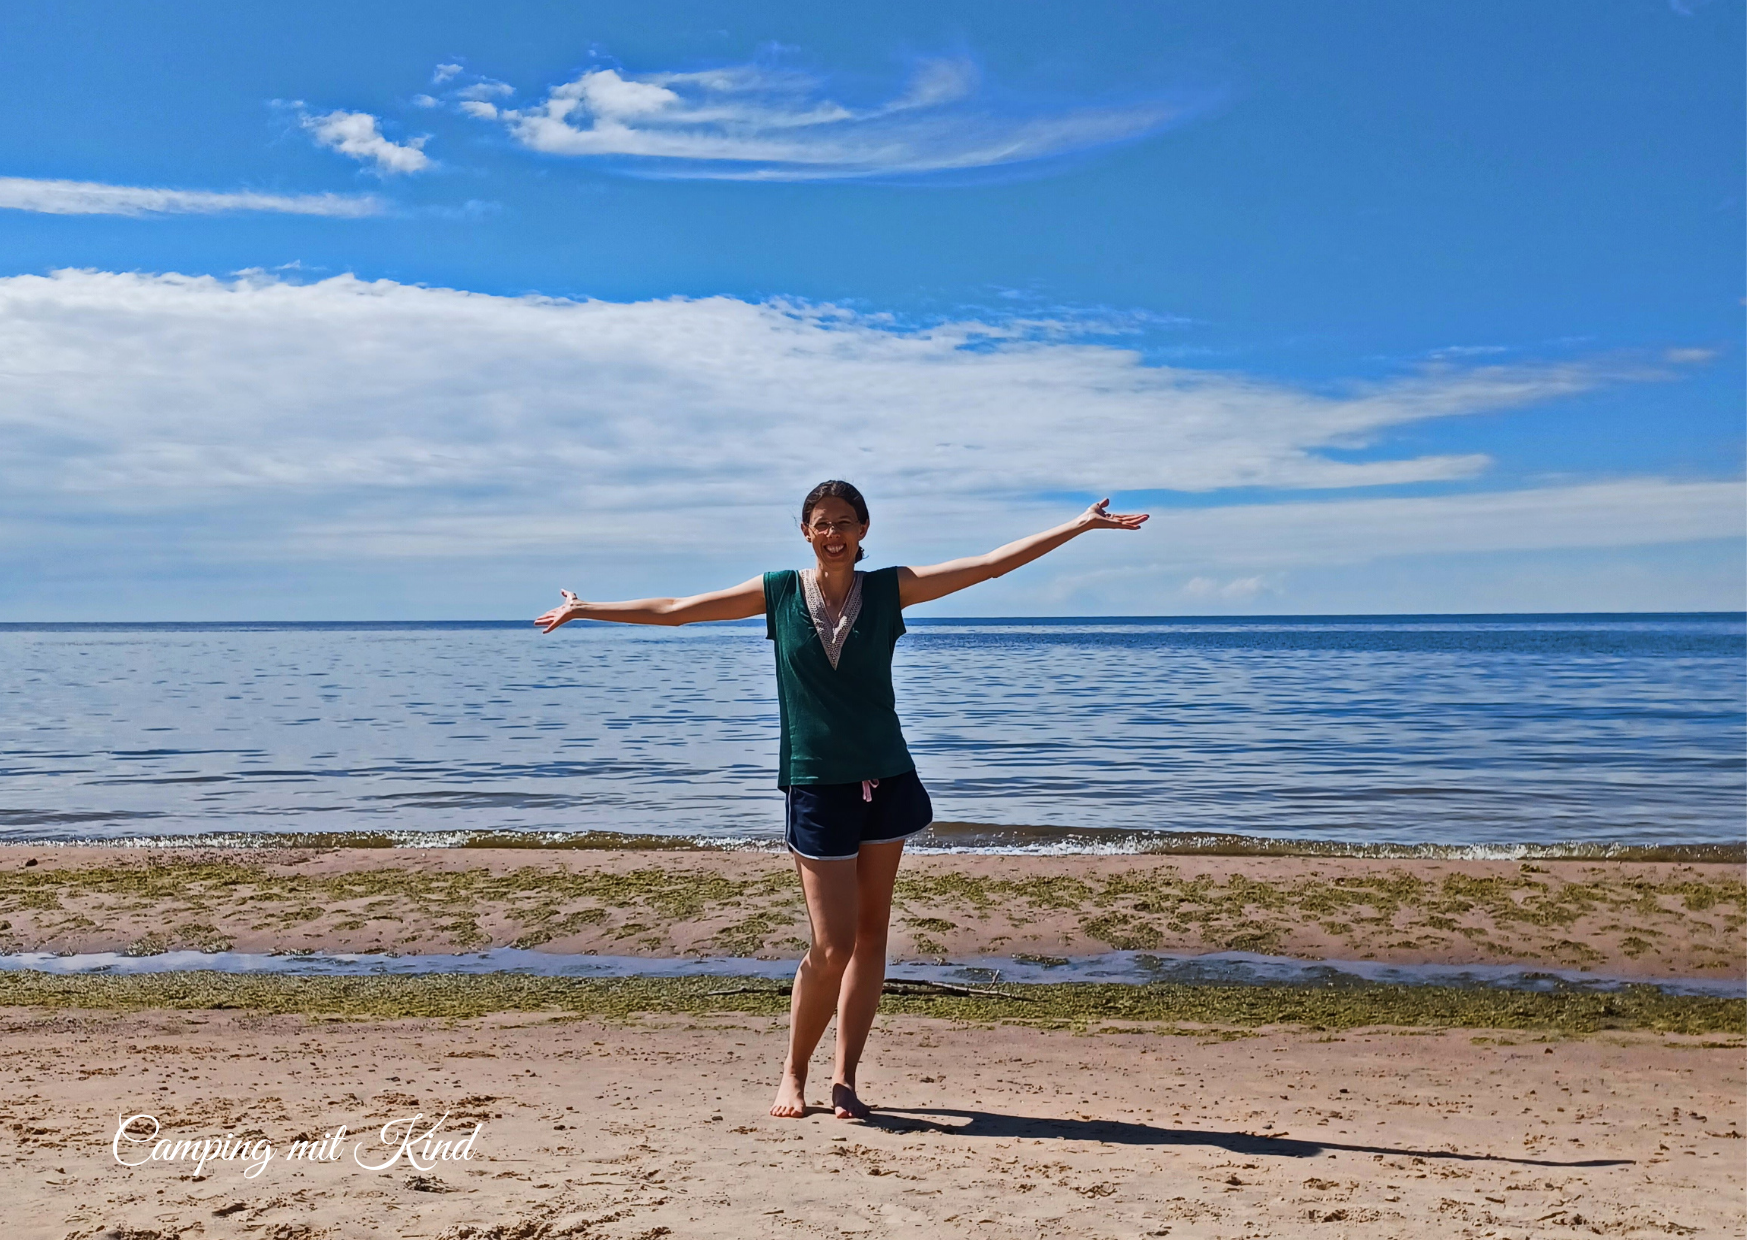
[(656, 1126), (1621, 918)]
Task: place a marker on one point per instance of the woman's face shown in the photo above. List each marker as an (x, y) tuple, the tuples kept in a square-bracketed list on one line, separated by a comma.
[(835, 532)]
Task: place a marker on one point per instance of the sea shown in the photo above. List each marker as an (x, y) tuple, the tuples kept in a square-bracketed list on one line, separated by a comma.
[(1500, 735)]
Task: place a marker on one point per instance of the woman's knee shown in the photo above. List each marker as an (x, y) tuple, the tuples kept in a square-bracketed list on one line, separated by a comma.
[(831, 955)]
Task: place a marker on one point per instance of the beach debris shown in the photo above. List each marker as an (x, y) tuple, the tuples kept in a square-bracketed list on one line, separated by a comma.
[(892, 986), (906, 986)]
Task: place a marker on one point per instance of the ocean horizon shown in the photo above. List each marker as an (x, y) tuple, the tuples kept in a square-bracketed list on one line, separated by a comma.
[(914, 621)]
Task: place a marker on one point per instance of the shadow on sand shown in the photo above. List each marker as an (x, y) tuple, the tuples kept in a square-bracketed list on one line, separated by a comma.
[(1118, 1132)]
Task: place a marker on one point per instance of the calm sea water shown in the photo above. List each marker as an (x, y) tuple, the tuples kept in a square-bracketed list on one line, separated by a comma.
[(1412, 730)]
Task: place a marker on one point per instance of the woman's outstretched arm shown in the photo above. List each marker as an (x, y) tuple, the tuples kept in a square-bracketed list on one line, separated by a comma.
[(919, 585), (735, 603)]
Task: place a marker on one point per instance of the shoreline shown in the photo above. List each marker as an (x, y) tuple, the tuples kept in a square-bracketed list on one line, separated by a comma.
[(949, 838)]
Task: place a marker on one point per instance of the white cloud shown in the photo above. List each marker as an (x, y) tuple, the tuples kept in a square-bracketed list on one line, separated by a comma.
[(486, 88), (442, 73), (1628, 512), (93, 198), (359, 136), (1272, 557), (1463, 351), (1237, 590), (757, 123), (352, 420)]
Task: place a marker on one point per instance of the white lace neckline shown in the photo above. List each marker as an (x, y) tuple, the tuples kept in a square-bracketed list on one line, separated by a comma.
[(832, 629)]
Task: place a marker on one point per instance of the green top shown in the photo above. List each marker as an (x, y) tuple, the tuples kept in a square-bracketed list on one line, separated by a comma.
[(840, 724)]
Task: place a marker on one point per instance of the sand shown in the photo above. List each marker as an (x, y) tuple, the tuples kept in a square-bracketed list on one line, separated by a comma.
[(635, 1120), (651, 1127), (1629, 919)]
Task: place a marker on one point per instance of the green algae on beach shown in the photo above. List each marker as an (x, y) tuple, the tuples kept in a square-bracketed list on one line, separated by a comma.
[(145, 903), (185, 895), (1170, 1007)]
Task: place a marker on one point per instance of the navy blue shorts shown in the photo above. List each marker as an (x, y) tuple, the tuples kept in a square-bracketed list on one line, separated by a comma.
[(830, 822)]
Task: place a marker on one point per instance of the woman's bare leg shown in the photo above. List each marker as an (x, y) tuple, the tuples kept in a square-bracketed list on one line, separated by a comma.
[(831, 891), (859, 993)]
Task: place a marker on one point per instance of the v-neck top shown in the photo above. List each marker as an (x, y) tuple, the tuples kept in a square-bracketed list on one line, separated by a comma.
[(839, 723)]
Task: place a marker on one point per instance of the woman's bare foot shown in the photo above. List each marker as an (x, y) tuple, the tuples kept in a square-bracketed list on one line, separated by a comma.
[(845, 1104), (791, 1098)]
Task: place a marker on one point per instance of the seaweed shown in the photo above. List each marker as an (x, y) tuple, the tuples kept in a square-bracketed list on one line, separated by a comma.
[(1171, 1007)]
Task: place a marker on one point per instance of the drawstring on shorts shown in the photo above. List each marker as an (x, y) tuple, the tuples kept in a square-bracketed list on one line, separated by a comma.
[(868, 786)]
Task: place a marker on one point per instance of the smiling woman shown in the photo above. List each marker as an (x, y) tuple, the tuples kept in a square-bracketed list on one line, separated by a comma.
[(851, 791)]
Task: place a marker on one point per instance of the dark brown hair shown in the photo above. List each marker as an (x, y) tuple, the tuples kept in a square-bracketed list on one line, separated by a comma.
[(836, 488)]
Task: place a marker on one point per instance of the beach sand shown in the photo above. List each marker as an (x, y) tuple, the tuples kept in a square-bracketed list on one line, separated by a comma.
[(603, 1116), (1627, 919), (657, 1127)]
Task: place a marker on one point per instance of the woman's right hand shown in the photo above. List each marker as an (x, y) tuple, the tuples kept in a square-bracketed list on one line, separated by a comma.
[(562, 614)]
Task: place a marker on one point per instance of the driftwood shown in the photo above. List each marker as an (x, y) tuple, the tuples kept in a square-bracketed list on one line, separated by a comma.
[(892, 986)]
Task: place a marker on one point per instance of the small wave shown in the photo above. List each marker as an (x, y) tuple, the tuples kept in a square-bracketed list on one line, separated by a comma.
[(942, 838), (971, 837), (593, 840)]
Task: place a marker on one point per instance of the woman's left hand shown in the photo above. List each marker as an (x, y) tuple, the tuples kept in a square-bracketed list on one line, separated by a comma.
[(1096, 518), (561, 614)]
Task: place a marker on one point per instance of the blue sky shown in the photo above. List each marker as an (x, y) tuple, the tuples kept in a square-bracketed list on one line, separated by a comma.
[(425, 310)]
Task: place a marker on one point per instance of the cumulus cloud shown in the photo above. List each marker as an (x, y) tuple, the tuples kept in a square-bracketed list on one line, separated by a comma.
[(755, 122), (349, 420), (94, 198), (358, 135)]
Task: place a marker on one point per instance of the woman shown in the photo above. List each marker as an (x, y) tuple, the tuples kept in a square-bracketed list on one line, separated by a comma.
[(851, 790)]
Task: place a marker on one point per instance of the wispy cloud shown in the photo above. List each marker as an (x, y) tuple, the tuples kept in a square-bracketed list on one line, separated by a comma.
[(358, 135), (757, 122), (94, 198)]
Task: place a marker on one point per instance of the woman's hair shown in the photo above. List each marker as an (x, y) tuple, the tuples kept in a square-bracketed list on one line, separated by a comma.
[(834, 488)]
